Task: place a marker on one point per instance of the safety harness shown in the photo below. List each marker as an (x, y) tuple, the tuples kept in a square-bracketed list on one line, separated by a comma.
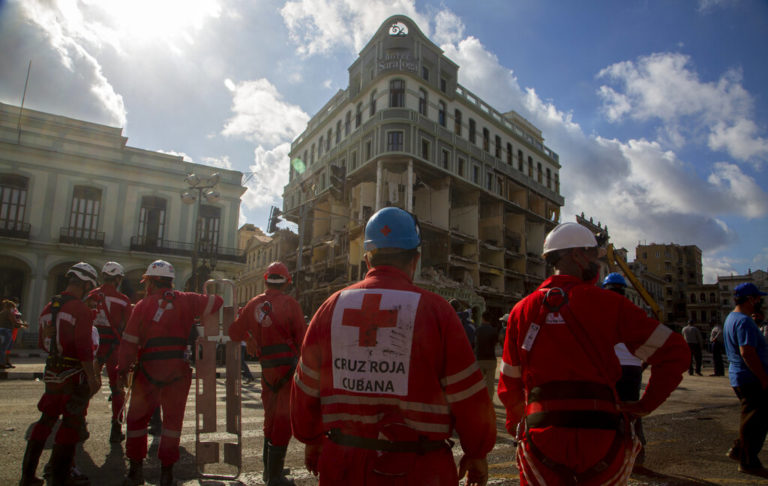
[(162, 348), (58, 368), (602, 415), (421, 446), (270, 355), (107, 336)]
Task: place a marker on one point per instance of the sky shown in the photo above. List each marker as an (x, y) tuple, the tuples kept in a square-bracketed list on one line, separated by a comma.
[(657, 108)]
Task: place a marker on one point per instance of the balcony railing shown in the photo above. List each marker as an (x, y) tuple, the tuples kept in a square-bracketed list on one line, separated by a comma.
[(14, 229), (205, 249), (81, 237)]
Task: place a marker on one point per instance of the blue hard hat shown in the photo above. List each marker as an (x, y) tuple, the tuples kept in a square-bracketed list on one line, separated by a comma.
[(614, 279), (392, 228)]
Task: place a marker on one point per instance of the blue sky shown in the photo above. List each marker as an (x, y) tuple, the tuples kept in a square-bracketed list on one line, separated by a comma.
[(658, 109)]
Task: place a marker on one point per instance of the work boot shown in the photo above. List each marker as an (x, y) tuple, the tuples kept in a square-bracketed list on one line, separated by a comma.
[(276, 460), (265, 459), (166, 476), (116, 434), (135, 474), (61, 464), (77, 478), (30, 462)]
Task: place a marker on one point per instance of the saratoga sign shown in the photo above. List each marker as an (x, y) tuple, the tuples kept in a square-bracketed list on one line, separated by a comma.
[(399, 62)]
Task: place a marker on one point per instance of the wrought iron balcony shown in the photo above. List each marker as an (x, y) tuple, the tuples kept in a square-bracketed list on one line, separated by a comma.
[(205, 251), (81, 237), (14, 229)]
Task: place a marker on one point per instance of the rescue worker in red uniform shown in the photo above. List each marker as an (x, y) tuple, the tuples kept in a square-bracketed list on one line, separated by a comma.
[(273, 326), (70, 379), (387, 374), (112, 311), (559, 370), (157, 334)]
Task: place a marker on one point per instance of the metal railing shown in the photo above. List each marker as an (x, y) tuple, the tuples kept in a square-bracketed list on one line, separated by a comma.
[(205, 250), (14, 229), (81, 237)]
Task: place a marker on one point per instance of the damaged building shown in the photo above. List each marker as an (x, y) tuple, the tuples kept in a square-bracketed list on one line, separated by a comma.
[(404, 133)]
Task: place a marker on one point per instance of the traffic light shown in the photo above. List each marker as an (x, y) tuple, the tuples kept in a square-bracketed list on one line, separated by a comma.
[(274, 218), (338, 181)]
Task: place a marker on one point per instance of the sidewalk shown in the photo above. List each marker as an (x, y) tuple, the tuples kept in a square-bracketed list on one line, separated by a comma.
[(29, 365)]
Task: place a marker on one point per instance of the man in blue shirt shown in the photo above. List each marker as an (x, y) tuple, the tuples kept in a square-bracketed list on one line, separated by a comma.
[(748, 356)]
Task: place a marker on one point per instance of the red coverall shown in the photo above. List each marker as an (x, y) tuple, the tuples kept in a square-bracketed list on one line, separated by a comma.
[(562, 381), (277, 324), (386, 364), (111, 314), (158, 332), (69, 398)]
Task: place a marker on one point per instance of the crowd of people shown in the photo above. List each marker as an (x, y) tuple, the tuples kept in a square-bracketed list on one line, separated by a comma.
[(386, 373)]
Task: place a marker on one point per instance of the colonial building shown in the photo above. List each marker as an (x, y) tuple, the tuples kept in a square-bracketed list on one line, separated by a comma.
[(404, 133), (71, 190), (260, 250), (680, 266), (704, 306), (727, 283)]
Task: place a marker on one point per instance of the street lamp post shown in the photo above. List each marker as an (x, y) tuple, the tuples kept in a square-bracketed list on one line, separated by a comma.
[(199, 188)]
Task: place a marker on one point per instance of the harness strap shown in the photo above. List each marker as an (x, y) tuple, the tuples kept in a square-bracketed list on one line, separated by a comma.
[(571, 390), (155, 382), (567, 474), (157, 342), (160, 355), (283, 380), (421, 446), (574, 419), (57, 303)]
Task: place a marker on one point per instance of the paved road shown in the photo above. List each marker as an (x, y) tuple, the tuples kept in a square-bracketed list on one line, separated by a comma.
[(687, 436)]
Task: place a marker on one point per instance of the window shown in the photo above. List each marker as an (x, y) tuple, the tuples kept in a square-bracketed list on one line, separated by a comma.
[(358, 114), (538, 173), (499, 185), (425, 149), (347, 123), (368, 151), (372, 104), (328, 141), (549, 178), (320, 147), (441, 113), (497, 151), (530, 166), (557, 183), (396, 93), (520, 160), (152, 221), (13, 202), (338, 132), (489, 181), (425, 73), (472, 130), (443, 85), (475, 174), (354, 160), (445, 158), (423, 101), (84, 213), (210, 226), (457, 122), (486, 139), (460, 167), (312, 155), (394, 141), (509, 153)]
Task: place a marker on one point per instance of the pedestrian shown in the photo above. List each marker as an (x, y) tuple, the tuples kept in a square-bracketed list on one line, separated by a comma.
[(272, 325), (628, 386), (718, 348), (154, 344), (466, 320), (486, 338), (112, 311), (386, 375), (748, 373), (9, 322), (559, 370), (66, 325), (244, 369), (695, 342)]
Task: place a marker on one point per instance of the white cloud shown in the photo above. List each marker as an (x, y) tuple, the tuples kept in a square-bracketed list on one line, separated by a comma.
[(319, 26), (270, 170), (449, 29), (665, 87), (222, 162), (261, 115)]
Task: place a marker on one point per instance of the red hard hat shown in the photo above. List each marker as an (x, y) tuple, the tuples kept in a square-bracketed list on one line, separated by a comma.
[(277, 273)]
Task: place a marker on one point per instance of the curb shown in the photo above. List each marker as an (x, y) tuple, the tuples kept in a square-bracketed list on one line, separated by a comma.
[(20, 375)]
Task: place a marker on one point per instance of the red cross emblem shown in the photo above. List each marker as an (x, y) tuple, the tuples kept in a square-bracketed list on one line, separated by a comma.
[(386, 230), (369, 319)]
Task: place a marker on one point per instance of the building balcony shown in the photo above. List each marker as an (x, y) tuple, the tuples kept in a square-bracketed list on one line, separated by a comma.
[(81, 237), (14, 229), (205, 249)]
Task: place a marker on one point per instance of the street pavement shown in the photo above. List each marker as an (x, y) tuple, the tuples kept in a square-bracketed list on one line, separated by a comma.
[(687, 436)]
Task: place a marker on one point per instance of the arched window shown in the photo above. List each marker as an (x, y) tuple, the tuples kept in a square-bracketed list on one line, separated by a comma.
[(84, 216), (457, 122), (338, 132), (441, 113), (358, 115), (372, 104), (472, 129), (152, 222), (13, 204), (397, 93), (486, 139), (520, 160), (347, 123), (509, 153), (422, 101)]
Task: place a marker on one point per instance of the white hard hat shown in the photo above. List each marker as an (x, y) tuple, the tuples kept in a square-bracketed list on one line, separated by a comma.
[(84, 272), (113, 269), (159, 268), (568, 235)]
